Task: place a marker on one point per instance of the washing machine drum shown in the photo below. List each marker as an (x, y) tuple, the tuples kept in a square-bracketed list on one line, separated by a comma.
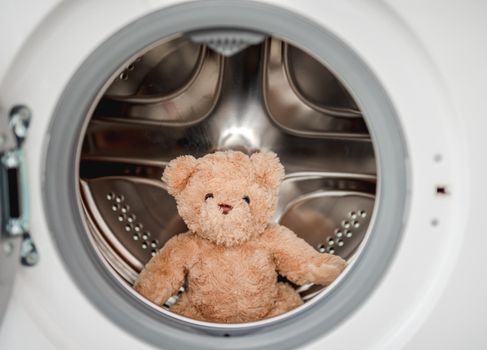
[(181, 81), (183, 97)]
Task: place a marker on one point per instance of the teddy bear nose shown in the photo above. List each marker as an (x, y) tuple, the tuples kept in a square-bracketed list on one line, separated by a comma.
[(225, 208)]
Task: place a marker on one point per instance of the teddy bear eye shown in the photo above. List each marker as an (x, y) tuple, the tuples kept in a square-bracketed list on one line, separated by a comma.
[(208, 195), (247, 199)]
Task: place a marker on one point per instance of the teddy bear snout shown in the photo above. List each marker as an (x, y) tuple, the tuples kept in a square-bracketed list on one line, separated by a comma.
[(226, 208)]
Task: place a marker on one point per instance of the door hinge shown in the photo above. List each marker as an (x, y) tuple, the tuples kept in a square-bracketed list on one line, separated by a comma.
[(14, 186)]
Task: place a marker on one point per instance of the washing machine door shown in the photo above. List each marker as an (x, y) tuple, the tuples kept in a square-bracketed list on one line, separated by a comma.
[(16, 243), (113, 211)]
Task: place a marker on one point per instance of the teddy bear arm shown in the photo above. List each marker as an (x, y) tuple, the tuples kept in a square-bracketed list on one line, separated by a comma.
[(165, 273), (299, 262)]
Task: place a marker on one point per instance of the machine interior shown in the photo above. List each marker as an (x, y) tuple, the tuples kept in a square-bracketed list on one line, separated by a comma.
[(185, 97)]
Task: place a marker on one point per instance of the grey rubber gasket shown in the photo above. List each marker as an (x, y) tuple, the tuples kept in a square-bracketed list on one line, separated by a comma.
[(60, 189)]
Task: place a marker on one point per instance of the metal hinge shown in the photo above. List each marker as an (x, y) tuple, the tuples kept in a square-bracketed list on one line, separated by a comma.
[(14, 185)]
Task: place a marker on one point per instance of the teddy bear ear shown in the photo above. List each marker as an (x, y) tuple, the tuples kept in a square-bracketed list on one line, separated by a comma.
[(268, 169), (178, 172)]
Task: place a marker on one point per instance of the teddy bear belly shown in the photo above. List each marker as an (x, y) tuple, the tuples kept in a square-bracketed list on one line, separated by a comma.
[(233, 292), (237, 302)]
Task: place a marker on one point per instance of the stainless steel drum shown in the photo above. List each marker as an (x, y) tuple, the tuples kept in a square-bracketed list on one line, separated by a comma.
[(184, 97)]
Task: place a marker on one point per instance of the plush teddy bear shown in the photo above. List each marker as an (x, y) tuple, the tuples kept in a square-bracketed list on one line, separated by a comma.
[(231, 256)]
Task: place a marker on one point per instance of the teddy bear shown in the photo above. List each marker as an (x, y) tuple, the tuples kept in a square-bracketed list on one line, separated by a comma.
[(231, 255)]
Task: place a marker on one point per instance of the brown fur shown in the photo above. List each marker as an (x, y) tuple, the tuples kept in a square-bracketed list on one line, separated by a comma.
[(231, 261)]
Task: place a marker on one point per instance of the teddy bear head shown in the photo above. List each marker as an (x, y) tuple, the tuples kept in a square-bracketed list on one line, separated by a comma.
[(226, 197)]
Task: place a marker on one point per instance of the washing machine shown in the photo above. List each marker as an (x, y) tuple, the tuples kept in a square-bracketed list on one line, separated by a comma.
[(375, 108)]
